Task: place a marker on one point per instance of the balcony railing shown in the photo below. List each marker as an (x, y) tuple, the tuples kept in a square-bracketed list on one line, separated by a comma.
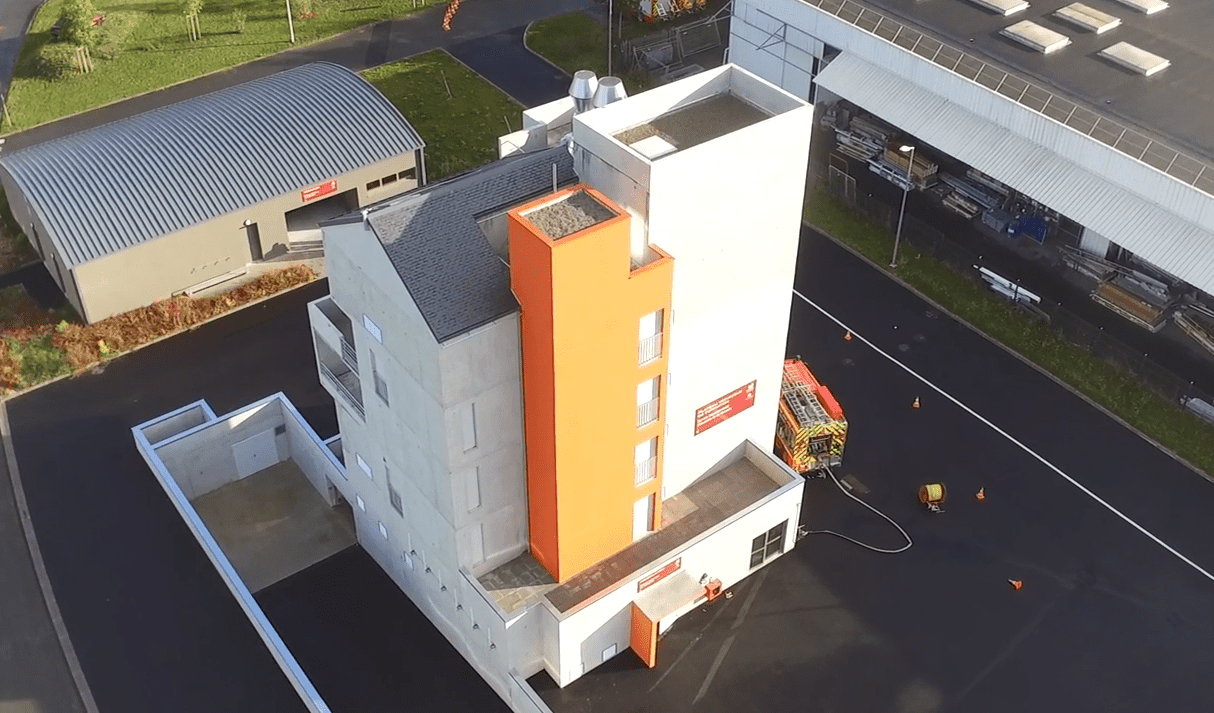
[(650, 349), (647, 413), (349, 356), (645, 471), (355, 398)]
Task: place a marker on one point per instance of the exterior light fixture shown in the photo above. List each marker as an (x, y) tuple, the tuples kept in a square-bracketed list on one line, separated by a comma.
[(893, 261)]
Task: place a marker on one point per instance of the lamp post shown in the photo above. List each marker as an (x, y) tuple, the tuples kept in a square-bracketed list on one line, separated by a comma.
[(893, 262), (610, 8), (290, 22)]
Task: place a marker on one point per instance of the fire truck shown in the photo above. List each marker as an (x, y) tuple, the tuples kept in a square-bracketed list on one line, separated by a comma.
[(811, 430)]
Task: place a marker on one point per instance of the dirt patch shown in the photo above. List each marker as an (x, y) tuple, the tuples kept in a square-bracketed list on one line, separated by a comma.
[(21, 319), (86, 345)]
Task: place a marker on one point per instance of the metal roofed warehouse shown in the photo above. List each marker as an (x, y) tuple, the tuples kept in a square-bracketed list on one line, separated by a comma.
[(190, 194), (1089, 120)]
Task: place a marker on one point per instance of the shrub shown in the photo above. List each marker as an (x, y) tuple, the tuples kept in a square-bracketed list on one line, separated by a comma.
[(309, 9), (115, 31), (78, 28), (191, 8), (238, 20), (57, 61)]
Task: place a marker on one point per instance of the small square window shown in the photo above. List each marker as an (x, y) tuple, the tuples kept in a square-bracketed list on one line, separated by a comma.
[(361, 505), (767, 545), (373, 185), (386, 180), (394, 498), (366, 468), (383, 531)]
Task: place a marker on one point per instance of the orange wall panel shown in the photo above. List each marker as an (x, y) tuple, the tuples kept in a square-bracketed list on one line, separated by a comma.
[(580, 375)]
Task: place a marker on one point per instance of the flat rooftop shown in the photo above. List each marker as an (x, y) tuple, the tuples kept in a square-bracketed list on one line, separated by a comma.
[(701, 506), (693, 124), (569, 214), (1174, 106)]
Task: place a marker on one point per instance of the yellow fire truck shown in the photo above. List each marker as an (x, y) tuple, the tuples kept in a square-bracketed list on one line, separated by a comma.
[(811, 430)]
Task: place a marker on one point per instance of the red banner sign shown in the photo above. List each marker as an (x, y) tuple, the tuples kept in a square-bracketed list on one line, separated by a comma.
[(727, 406), (666, 570), (324, 189)]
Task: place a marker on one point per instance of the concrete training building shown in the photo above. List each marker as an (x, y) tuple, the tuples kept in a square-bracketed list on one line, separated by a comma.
[(187, 195), (549, 437), (1095, 115)]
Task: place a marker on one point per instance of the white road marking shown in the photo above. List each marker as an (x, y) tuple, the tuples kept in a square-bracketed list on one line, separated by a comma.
[(716, 664), (1009, 437)]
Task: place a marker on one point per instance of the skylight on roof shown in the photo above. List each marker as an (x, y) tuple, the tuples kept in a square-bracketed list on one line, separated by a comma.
[(653, 147), (1135, 59), (1036, 37), (1003, 7), (1089, 18), (1147, 7)]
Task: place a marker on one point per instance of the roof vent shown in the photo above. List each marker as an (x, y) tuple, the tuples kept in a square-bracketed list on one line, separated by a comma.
[(1088, 18), (1135, 59), (1036, 37), (1003, 7), (610, 90), (582, 89), (1146, 7)]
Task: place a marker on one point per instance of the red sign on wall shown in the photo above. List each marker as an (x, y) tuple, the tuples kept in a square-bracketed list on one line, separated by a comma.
[(324, 189), (724, 408), (666, 570)]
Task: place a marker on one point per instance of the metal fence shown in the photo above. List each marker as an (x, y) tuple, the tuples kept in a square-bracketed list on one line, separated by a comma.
[(1093, 339)]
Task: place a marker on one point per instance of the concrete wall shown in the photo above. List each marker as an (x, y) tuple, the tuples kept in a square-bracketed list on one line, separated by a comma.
[(39, 237), (482, 371), (202, 460), (178, 422), (729, 211), (721, 554)]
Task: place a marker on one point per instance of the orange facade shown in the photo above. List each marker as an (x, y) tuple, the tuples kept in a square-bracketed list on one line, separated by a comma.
[(582, 303)]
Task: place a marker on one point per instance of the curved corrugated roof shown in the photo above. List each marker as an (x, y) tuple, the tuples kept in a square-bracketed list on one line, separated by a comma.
[(124, 183)]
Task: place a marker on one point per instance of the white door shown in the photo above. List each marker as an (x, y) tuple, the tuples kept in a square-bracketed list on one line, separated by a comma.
[(642, 517), (254, 454), (609, 653)]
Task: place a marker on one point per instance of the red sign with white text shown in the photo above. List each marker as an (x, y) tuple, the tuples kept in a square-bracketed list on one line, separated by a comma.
[(663, 573), (724, 408), (324, 189)]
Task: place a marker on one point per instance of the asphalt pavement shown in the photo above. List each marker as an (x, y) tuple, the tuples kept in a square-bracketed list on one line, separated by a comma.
[(369, 46), (365, 646), (1107, 618), (15, 16), (503, 60), (153, 625)]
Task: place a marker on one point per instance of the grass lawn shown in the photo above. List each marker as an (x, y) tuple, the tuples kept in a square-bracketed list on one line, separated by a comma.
[(460, 128), (157, 51), (576, 41), (1117, 390)]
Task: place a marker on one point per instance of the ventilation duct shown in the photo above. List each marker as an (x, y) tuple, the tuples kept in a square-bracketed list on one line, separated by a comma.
[(582, 89), (610, 90)]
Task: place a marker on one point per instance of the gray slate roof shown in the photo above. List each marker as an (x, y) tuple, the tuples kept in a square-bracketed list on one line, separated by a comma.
[(117, 185), (441, 255)]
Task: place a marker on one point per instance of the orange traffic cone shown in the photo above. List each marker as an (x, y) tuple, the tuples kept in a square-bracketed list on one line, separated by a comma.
[(847, 337), (1016, 583), (981, 494), (915, 404)]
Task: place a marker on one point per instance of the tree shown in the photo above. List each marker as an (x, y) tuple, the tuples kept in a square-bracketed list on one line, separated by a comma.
[(191, 10), (78, 27)]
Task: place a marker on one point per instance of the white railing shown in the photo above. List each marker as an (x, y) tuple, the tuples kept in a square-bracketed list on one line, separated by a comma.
[(650, 349), (647, 413), (349, 356), (645, 471), (355, 400)]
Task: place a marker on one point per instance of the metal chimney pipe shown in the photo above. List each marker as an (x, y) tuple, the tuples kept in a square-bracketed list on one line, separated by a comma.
[(610, 90), (582, 89)]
